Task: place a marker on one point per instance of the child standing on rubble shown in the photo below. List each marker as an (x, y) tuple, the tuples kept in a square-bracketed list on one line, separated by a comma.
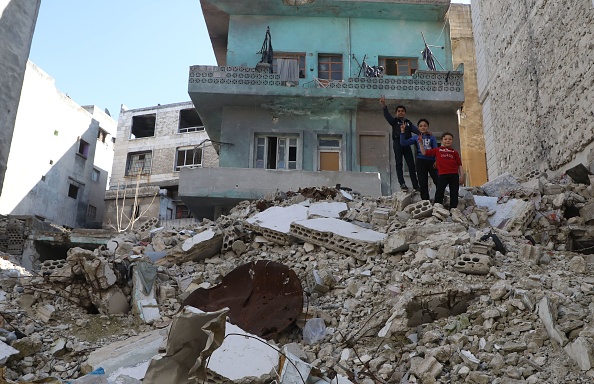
[(449, 168), (425, 164)]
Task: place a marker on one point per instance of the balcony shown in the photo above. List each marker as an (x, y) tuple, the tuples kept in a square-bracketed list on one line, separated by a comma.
[(211, 88)]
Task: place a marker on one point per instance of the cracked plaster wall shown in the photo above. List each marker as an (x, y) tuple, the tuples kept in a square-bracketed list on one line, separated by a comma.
[(534, 78)]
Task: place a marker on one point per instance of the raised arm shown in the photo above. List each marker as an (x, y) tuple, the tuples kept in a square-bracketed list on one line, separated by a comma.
[(389, 118)]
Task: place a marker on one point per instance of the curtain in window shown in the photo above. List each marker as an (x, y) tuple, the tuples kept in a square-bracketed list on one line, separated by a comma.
[(288, 69)]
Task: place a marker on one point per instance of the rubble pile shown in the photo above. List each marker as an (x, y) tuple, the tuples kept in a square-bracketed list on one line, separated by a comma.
[(394, 290)]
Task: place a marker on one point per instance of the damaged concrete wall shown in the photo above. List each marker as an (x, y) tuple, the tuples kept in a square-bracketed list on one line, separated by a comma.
[(535, 83), (56, 154), (163, 144), (17, 23)]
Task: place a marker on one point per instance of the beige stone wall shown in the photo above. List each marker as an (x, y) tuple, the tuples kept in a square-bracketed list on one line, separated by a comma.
[(535, 82), (472, 140), (163, 144)]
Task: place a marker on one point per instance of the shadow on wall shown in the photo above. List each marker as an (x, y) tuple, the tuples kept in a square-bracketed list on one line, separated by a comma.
[(62, 195)]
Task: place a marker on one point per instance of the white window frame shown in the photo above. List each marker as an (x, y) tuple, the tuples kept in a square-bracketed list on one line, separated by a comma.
[(194, 164), (287, 141)]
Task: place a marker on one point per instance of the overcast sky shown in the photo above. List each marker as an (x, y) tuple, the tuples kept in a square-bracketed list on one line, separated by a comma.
[(132, 52)]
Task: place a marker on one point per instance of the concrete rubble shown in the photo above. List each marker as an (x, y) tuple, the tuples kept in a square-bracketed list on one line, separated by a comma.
[(395, 290)]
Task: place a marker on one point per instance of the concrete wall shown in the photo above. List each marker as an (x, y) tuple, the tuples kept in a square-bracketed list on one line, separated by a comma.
[(163, 145), (315, 35), (44, 157), (17, 23), (472, 140), (535, 82)]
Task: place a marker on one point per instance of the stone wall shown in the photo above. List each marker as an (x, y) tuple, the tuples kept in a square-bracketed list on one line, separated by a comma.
[(17, 23), (534, 77)]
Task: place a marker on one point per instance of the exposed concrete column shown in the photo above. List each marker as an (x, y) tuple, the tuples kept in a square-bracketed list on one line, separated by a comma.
[(17, 23)]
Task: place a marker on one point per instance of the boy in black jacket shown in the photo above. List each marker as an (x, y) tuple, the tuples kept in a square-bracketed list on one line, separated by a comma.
[(400, 151)]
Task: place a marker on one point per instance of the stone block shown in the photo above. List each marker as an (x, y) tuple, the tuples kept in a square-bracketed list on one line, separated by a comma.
[(427, 366), (500, 185), (530, 254), (473, 264), (523, 216), (545, 315), (400, 240), (46, 312), (587, 212), (401, 200), (110, 301), (552, 189), (581, 351)]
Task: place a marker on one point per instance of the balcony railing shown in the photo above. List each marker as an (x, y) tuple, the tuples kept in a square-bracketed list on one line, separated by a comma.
[(421, 81)]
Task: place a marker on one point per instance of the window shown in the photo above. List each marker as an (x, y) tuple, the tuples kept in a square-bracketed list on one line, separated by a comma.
[(276, 152), (189, 121), (330, 67), (95, 175), (91, 212), (143, 126), (329, 153), (399, 66), (102, 135), (83, 148), (294, 63), (139, 163), (188, 157), (182, 212), (73, 191)]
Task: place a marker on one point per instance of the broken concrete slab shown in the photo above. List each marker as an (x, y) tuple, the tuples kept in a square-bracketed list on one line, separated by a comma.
[(6, 351), (275, 222), (400, 240), (129, 357), (580, 174), (144, 304), (340, 236), (500, 185), (326, 209), (544, 312)]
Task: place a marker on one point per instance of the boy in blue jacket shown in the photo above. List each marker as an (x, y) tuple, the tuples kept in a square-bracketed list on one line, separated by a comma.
[(425, 164)]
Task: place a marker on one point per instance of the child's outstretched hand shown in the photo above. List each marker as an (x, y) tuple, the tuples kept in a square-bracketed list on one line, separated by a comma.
[(383, 101)]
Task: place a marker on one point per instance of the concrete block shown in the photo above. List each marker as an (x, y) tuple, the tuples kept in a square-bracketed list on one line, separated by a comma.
[(428, 366), (420, 209), (401, 200), (545, 315), (587, 212), (5, 352), (145, 305), (523, 216), (275, 222), (530, 254), (552, 189), (199, 247), (110, 301), (45, 313), (473, 264)]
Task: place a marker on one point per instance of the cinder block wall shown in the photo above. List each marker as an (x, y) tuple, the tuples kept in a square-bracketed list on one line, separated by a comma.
[(535, 82)]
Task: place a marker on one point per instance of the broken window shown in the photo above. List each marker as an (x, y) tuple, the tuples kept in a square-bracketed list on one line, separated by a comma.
[(291, 65), (83, 148), (399, 66), (102, 135), (182, 212), (276, 152), (91, 212), (73, 190), (95, 175), (329, 156), (189, 121), (189, 157), (143, 126), (330, 67), (74, 187), (139, 163)]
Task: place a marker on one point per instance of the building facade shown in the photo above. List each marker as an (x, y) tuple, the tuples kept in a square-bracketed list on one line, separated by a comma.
[(312, 109), (154, 144), (17, 23), (60, 156), (535, 83), (472, 139)]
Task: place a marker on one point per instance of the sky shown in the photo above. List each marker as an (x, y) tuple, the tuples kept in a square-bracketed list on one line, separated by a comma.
[(131, 52)]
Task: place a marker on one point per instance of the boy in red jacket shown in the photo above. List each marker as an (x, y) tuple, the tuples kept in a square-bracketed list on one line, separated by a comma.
[(449, 169)]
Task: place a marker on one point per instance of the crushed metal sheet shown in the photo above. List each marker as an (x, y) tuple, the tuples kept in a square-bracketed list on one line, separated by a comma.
[(264, 297)]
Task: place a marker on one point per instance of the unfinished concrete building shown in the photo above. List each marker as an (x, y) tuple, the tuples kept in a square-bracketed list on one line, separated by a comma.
[(60, 156), (311, 116), (154, 145), (535, 83)]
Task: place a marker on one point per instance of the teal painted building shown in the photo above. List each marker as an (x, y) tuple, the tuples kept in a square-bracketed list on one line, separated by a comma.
[(316, 110)]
